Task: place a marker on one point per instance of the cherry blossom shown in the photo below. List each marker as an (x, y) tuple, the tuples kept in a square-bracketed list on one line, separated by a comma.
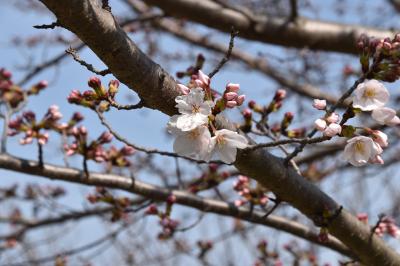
[(194, 110), (319, 104), (385, 116), (370, 95), (359, 150), (226, 142), (194, 143)]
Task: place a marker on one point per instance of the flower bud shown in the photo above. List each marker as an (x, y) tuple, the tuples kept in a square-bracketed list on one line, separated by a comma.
[(319, 104), (232, 87), (332, 130)]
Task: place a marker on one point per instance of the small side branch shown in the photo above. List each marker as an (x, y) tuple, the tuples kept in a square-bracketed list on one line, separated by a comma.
[(293, 11), (48, 26), (227, 56), (89, 67)]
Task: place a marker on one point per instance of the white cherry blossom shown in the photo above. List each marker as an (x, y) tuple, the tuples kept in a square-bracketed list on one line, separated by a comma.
[(194, 110), (385, 116), (370, 95), (225, 143), (194, 143), (361, 150)]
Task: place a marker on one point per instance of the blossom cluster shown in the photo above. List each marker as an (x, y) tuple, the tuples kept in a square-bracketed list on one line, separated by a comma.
[(36, 129), (255, 196), (369, 96), (274, 105), (209, 179), (14, 94), (99, 97), (91, 150), (385, 225), (120, 204), (194, 128), (168, 224)]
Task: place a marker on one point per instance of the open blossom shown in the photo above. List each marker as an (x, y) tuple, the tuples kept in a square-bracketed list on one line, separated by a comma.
[(319, 104), (194, 110), (332, 130), (370, 95), (194, 143), (385, 116), (226, 142), (360, 150)]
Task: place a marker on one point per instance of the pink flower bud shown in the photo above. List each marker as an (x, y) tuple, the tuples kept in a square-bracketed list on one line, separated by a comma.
[(240, 99), (332, 130), (204, 78), (127, 150), (320, 124), (377, 160), (74, 97), (105, 137), (280, 95), (333, 118), (319, 104), (229, 96), (380, 138), (232, 87), (94, 82), (183, 89), (247, 113), (77, 117), (231, 104)]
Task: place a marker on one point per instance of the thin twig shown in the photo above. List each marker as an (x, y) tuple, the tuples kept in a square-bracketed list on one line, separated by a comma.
[(40, 154), (89, 67), (225, 59), (48, 26), (293, 11), (288, 141), (114, 104)]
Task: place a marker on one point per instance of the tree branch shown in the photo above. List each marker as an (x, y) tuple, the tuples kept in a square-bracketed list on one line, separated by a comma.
[(158, 193), (313, 34)]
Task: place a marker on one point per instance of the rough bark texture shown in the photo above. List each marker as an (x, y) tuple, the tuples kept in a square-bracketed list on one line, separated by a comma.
[(98, 29), (301, 33)]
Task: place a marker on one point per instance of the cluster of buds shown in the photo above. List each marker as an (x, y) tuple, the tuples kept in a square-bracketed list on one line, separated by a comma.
[(328, 125), (273, 106), (120, 204), (12, 94), (230, 98), (90, 150), (99, 97), (255, 196), (267, 257), (380, 58), (168, 224), (385, 225), (301, 254), (192, 70), (209, 179), (117, 157), (34, 129), (34, 191)]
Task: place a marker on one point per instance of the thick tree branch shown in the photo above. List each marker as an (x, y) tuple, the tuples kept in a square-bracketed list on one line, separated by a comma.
[(158, 193), (98, 29), (259, 64), (304, 33)]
